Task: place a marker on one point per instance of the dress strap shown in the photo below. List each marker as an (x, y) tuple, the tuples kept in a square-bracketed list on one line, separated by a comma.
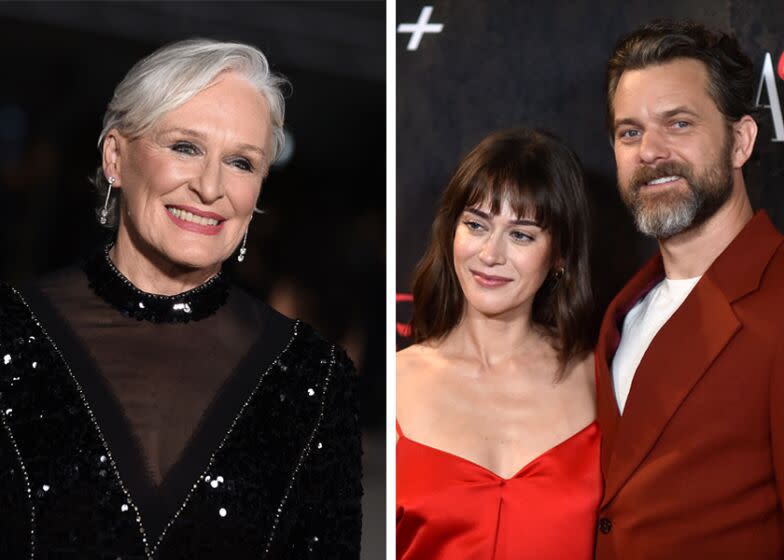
[(397, 427)]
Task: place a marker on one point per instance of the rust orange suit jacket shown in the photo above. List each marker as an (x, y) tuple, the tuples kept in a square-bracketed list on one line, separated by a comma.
[(694, 469)]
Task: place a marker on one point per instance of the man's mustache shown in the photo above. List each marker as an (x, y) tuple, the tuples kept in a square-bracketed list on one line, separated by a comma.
[(644, 175)]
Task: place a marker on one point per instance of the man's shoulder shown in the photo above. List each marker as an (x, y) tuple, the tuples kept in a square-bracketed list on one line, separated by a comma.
[(773, 276), (764, 306), (752, 266)]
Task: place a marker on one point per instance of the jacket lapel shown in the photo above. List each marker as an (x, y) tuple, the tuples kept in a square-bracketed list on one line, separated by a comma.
[(609, 338), (680, 353), (676, 359)]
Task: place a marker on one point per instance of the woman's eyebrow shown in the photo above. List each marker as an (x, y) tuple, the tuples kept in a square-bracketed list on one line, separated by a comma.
[(525, 222), (479, 213), (200, 136), (486, 216)]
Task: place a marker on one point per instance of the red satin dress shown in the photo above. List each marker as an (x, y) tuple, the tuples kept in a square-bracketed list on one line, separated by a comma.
[(449, 508)]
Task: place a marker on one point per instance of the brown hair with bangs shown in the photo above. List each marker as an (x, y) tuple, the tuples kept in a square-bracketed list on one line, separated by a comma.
[(542, 179)]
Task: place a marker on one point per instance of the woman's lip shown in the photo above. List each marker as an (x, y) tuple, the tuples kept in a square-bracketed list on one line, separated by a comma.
[(196, 228), (197, 212), (489, 280)]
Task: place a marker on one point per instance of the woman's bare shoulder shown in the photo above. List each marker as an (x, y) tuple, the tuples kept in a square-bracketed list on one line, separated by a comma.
[(584, 370), (415, 358), (417, 371)]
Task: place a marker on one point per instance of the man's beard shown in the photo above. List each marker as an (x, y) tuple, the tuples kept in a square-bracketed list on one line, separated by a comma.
[(670, 212)]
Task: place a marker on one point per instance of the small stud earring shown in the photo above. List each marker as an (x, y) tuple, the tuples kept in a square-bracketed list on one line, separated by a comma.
[(243, 250), (105, 211), (559, 272)]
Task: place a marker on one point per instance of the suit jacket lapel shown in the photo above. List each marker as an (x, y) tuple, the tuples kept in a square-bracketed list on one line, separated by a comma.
[(678, 356), (609, 338), (680, 353)]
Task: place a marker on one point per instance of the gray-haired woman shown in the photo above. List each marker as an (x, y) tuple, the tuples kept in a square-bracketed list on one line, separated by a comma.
[(149, 408)]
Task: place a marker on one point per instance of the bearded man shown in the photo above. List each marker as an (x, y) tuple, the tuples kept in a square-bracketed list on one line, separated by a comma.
[(691, 356)]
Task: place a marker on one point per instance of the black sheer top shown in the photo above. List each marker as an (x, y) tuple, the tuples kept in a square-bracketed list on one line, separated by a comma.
[(140, 426)]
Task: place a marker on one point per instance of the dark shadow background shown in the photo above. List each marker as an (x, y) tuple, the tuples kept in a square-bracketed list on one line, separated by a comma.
[(541, 63), (317, 253)]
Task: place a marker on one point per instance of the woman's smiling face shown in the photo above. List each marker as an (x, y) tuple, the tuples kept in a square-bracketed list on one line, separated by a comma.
[(191, 182), (500, 260)]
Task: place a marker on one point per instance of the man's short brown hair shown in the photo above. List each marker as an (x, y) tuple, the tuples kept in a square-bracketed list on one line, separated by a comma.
[(730, 71)]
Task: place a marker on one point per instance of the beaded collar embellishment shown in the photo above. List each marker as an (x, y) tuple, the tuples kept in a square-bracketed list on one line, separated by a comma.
[(114, 288)]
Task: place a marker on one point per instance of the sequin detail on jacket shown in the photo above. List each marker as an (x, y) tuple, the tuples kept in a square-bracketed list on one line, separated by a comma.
[(283, 483)]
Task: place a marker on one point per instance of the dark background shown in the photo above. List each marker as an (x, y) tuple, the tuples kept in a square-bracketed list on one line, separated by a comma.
[(540, 63), (317, 253)]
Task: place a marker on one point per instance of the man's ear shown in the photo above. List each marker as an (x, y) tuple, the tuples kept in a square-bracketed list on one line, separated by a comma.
[(744, 133)]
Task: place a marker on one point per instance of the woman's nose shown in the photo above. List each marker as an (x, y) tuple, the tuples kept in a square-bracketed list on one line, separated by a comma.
[(209, 184), (492, 252)]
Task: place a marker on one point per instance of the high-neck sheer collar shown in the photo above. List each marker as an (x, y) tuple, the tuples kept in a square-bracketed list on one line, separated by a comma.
[(114, 288)]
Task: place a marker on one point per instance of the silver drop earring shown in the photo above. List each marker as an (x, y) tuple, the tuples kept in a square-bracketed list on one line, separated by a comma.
[(243, 250), (105, 211)]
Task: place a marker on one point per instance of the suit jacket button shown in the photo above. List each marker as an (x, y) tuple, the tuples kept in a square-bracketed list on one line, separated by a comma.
[(605, 525)]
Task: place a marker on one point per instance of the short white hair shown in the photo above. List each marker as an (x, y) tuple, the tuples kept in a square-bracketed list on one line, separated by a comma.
[(174, 74)]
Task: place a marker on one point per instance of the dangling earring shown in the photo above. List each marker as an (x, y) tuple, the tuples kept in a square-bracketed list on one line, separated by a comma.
[(243, 250), (105, 211), (559, 272)]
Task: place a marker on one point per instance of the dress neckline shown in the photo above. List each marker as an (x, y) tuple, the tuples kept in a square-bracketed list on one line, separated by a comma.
[(113, 287), (158, 504), (593, 426)]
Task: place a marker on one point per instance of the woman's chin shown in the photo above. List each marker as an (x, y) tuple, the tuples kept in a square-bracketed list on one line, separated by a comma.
[(194, 258), (492, 309)]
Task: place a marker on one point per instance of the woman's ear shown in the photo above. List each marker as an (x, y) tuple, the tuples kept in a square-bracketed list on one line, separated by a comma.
[(113, 149)]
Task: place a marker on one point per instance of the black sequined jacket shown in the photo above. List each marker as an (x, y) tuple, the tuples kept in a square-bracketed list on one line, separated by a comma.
[(283, 483)]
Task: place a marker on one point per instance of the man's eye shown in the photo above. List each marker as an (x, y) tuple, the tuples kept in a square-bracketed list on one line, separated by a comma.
[(629, 133), (682, 124)]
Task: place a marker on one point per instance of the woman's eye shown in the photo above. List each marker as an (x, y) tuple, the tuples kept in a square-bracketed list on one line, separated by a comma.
[(473, 226), (185, 148), (243, 164), (520, 236)]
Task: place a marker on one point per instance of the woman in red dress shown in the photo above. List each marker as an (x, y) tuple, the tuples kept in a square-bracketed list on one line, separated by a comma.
[(498, 448)]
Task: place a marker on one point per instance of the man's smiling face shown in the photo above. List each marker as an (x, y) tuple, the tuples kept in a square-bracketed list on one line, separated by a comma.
[(672, 147)]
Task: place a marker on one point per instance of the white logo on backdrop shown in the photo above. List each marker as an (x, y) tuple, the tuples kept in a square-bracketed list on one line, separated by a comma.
[(419, 28), (768, 81)]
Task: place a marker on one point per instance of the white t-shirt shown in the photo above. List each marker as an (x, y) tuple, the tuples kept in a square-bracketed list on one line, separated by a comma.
[(640, 326)]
